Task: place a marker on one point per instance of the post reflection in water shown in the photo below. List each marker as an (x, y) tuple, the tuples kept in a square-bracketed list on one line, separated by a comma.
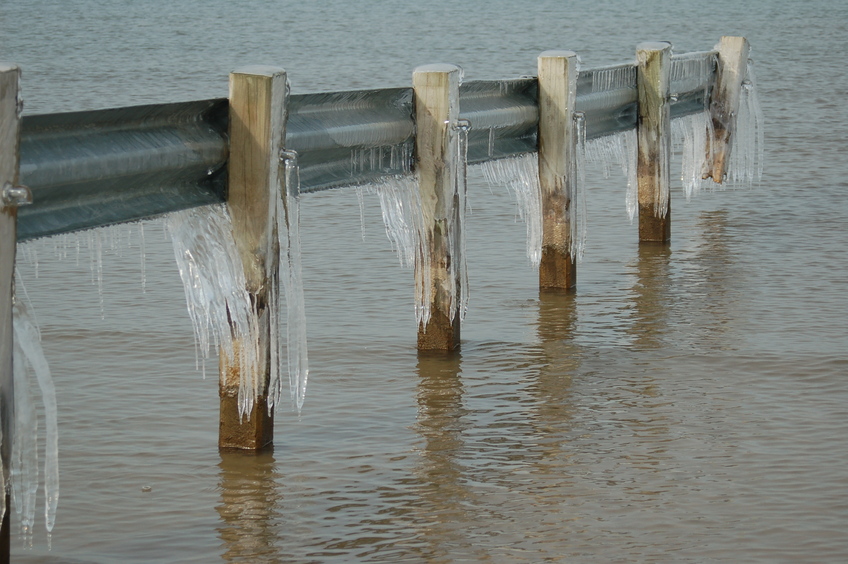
[(714, 270), (441, 474), (249, 507), (652, 297), (559, 359)]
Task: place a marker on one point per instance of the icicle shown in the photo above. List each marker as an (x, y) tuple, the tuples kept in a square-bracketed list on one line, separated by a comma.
[(459, 268), (360, 198), (29, 357), (143, 253), (287, 218), (577, 198), (520, 175)]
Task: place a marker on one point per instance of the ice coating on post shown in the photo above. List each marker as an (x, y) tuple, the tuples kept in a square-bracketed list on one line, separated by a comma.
[(400, 204), (439, 145), (520, 175), (30, 359), (216, 296), (653, 80)]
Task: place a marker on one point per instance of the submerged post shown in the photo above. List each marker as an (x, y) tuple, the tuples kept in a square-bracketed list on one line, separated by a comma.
[(257, 135), (557, 98), (653, 138), (11, 195), (724, 103), (436, 90)]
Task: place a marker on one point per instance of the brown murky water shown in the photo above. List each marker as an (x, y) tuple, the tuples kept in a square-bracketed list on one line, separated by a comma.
[(686, 404)]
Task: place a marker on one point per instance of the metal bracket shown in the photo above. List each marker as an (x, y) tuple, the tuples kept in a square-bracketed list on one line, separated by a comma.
[(16, 195)]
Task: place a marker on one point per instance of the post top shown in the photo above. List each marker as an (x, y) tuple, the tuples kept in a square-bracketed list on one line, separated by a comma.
[(557, 53), (653, 46), (260, 70), (6, 67), (437, 68)]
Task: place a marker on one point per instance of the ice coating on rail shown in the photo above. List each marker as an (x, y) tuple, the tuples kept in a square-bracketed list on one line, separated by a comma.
[(30, 362), (520, 175), (216, 296)]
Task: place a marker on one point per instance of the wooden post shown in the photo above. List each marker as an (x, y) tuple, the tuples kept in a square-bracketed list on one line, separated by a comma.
[(257, 136), (557, 97), (653, 138), (436, 89), (9, 165), (724, 103)]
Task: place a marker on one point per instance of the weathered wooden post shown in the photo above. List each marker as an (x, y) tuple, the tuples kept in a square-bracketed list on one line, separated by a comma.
[(653, 138), (724, 103), (11, 196), (557, 97), (436, 90), (257, 135)]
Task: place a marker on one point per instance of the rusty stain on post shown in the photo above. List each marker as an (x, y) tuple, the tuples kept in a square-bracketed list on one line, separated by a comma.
[(557, 99), (436, 93), (257, 136), (724, 104), (653, 135)]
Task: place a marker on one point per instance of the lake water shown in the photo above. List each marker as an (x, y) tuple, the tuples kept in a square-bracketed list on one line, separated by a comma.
[(687, 403)]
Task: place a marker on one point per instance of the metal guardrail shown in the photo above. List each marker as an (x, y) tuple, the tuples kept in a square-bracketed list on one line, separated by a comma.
[(88, 169)]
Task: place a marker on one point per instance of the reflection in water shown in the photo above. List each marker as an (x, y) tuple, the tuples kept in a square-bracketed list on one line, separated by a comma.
[(715, 268), (445, 498), (652, 296), (249, 507), (559, 357)]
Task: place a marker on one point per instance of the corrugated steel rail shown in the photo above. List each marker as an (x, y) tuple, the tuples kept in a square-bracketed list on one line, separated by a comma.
[(88, 169)]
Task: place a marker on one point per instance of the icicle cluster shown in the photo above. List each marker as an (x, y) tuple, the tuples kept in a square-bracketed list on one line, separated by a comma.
[(28, 361), (613, 78), (110, 238), (400, 203), (691, 135), (218, 303), (521, 177), (746, 161), (619, 149)]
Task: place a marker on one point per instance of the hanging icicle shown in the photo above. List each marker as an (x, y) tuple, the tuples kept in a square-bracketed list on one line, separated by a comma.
[(457, 238), (29, 361), (287, 284)]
